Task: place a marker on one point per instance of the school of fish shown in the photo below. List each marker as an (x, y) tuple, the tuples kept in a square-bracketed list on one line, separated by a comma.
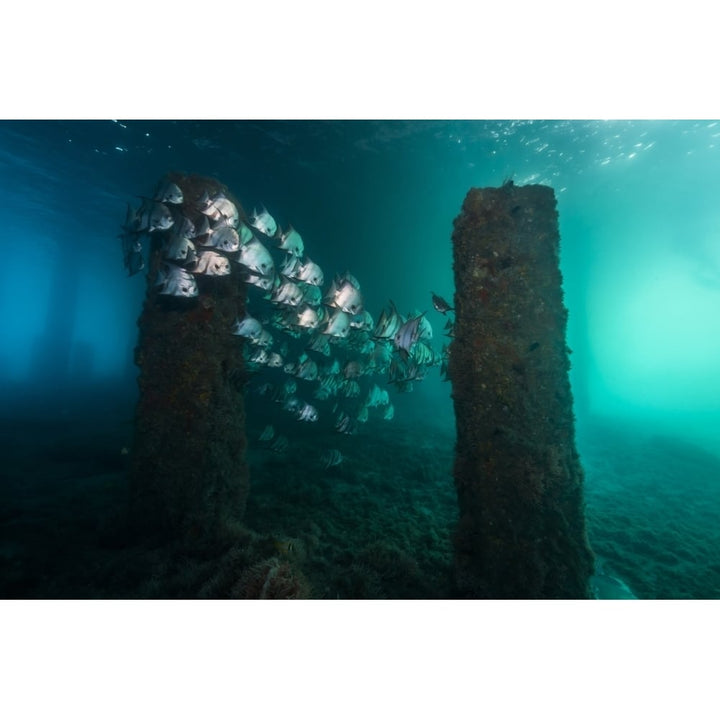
[(314, 351)]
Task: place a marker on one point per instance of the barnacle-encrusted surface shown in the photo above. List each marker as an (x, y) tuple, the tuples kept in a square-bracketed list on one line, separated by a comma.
[(188, 473), (518, 476)]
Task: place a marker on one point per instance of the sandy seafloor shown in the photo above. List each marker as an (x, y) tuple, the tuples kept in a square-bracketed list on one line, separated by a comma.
[(379, 525)]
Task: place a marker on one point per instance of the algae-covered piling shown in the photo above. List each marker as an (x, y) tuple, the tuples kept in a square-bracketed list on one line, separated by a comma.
[(188, 473), (521, 531)]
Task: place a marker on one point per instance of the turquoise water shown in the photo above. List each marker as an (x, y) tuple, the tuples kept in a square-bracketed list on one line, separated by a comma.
[(640, 256)]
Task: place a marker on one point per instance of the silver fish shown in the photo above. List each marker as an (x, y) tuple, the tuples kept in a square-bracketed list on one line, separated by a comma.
[(347, 297), (338, 325), (282, 319), (202, 226), (293, 404), (280, 444), (132, 253), (264, 222), (367, 348), (389, 412), (321, 393), (422, 353), (248, 327), (352, 369), (179, 245), (223, 238), (345, 424), (288, 294), (376, 397), (228, 212), (425, 331), (264, 339), (291, 241), (183, 228), (181, 250), (320, 344), (211, 263), (264, 282), (312, 295), (363, 321), (150, 216), (255, 256), (381, 356), (334, 369), (291, 267), (311, 273), (168, 192), (267, 434), (307, 370), (403, 375), (220, 209), (388, 323), (308, 318), (350, 278), (333, 324), (331, 458), (160, 218), (308, 413), (327, 388), (258, 356), (407, 334), (176, 281)]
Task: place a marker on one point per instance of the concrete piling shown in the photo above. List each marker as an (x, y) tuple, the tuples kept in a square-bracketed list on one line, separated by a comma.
[(521, 530), (188, 474)]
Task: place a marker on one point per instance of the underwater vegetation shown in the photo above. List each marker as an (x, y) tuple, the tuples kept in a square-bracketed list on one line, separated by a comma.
[(652, 515), (378, 525), (653, 511)]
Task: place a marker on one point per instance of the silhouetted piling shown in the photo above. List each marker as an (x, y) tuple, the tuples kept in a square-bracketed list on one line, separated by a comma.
[(53, 350), (521, 531), (188, 473)]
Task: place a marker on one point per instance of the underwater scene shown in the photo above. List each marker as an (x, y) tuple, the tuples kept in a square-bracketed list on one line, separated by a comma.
[(355, 359)]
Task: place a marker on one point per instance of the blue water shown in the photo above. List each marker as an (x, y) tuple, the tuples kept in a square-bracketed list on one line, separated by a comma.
[(640, 257)]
